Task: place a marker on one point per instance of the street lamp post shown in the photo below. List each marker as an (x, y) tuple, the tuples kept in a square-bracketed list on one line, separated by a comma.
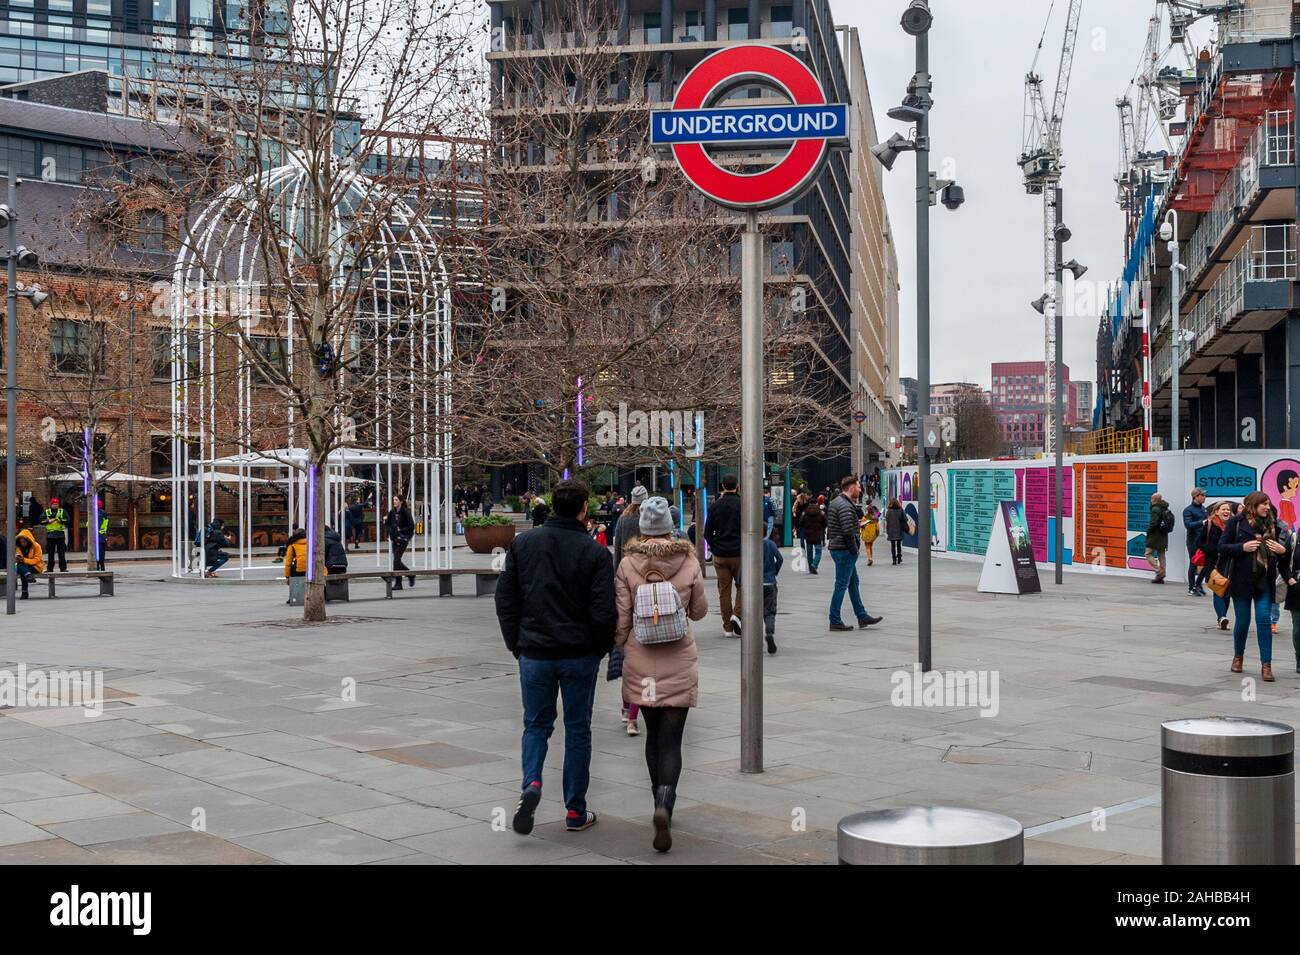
[(917, 20), (11, 402), (1058, 399), (1169, 232), (15, 255)]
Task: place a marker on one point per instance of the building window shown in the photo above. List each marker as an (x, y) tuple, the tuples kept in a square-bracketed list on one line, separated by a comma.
[(272, 355), (201, 13), (76, 348), (152, 231), (653, 29), (162, 356), (738, 23), (164, 11), (694, 27), (782, 21)]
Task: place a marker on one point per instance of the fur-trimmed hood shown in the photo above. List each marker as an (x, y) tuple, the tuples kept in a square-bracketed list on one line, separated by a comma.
[(667, 555), (660, 546)]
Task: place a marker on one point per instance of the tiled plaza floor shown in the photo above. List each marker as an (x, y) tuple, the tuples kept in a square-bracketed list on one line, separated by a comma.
[(227, 738)]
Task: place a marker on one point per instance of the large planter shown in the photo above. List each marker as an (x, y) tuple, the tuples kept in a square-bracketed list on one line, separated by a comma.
[(484, 540)]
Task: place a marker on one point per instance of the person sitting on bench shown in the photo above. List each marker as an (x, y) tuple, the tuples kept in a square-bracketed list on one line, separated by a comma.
[(29, 560), (295, 554), (336, 554), (213, 543)]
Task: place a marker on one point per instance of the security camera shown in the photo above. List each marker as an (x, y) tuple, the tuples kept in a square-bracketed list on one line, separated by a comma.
[(911, 110), (1166, 231), (6, 215), (917, 18), (25, 257), (952, 196), (887, 152)]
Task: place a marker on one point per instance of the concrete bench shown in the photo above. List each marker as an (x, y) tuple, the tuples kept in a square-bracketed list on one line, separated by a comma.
[(105, 578), (336, 585), (336, 589)]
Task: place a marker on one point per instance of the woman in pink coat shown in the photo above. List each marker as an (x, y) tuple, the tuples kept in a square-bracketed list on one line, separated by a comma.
[(663, 678)]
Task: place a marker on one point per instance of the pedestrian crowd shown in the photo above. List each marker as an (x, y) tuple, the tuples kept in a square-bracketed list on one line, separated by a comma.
[(625, 584), (1246, 557)]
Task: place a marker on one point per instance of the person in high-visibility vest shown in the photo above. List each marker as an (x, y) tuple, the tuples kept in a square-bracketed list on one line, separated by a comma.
[(55, 519), (98, 541)]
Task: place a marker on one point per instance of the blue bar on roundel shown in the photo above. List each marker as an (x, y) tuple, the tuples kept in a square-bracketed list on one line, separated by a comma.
[(749, 124)]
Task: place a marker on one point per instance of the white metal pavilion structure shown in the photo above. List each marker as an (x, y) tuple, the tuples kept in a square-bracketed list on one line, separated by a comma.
[(220, 412)]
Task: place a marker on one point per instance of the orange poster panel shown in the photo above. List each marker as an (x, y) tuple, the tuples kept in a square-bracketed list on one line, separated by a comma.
[(1079, 555), (1106, 511), (1142, 472)]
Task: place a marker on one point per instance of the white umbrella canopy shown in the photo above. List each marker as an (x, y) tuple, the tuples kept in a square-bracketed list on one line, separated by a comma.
[(106, 477), (282, 457)]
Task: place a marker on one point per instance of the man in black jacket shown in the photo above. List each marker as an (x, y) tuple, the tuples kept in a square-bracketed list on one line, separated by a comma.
[(555, 605), (843, 541), (722, 534)]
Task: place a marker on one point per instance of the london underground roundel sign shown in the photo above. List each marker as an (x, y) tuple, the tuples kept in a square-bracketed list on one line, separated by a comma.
[(807, 126)]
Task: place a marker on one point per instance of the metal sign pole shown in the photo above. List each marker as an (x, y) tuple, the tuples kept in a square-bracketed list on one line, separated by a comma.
[(751, 497)]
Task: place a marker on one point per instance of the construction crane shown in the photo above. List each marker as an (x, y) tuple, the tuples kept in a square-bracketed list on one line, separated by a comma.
[(1040, 163)]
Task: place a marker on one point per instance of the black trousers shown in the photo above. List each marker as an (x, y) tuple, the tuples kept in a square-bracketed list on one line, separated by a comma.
[(896, 550), (399, 548), (664, 726), (56, 545)]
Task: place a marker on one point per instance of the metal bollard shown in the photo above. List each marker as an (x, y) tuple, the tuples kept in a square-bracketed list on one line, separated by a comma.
[(930, 835), (1227, 792)]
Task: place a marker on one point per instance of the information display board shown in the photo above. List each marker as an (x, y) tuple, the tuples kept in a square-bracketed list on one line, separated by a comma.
[(975, 496)]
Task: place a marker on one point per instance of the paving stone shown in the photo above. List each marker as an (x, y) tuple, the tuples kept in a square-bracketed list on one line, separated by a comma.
[(132, 825), (181, 848), (43, 812), (324, 844)]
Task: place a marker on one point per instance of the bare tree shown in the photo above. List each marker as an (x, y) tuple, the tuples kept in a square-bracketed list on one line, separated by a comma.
[(977, 429), (335, 260), (609, 281)]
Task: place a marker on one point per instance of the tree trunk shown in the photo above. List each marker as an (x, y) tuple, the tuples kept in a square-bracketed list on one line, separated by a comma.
[(313, 605)]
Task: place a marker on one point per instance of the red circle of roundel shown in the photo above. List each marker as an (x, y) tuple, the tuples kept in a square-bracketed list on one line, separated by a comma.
[(772, 186)]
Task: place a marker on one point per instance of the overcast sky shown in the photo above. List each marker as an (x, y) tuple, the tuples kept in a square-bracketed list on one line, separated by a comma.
[(986, 258)]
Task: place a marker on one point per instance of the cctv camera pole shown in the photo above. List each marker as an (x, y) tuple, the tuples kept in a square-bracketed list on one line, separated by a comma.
[(751, 497), (923, 529), (1058, 399), (11, 400)]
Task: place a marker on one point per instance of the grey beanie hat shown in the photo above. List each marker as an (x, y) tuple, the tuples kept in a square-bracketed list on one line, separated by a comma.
[(656, 520), (639, 494)]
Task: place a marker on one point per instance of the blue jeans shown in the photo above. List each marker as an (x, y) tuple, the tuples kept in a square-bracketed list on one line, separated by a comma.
[(846, 578), (1193, 572), (814, 555), (1263, 626), (1220, 606), (219, 558), (771, 522), (575, 682), (25, 574)]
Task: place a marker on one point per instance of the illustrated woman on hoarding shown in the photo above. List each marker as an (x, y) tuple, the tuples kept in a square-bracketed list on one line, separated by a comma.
[(1249, 548), (1288, 482)]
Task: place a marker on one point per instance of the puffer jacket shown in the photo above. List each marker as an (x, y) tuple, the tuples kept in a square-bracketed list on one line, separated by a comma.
[(842, 517), (295, 555), (664, 674)]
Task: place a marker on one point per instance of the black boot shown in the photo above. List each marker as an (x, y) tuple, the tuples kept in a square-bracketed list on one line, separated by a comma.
[(665, 797)]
